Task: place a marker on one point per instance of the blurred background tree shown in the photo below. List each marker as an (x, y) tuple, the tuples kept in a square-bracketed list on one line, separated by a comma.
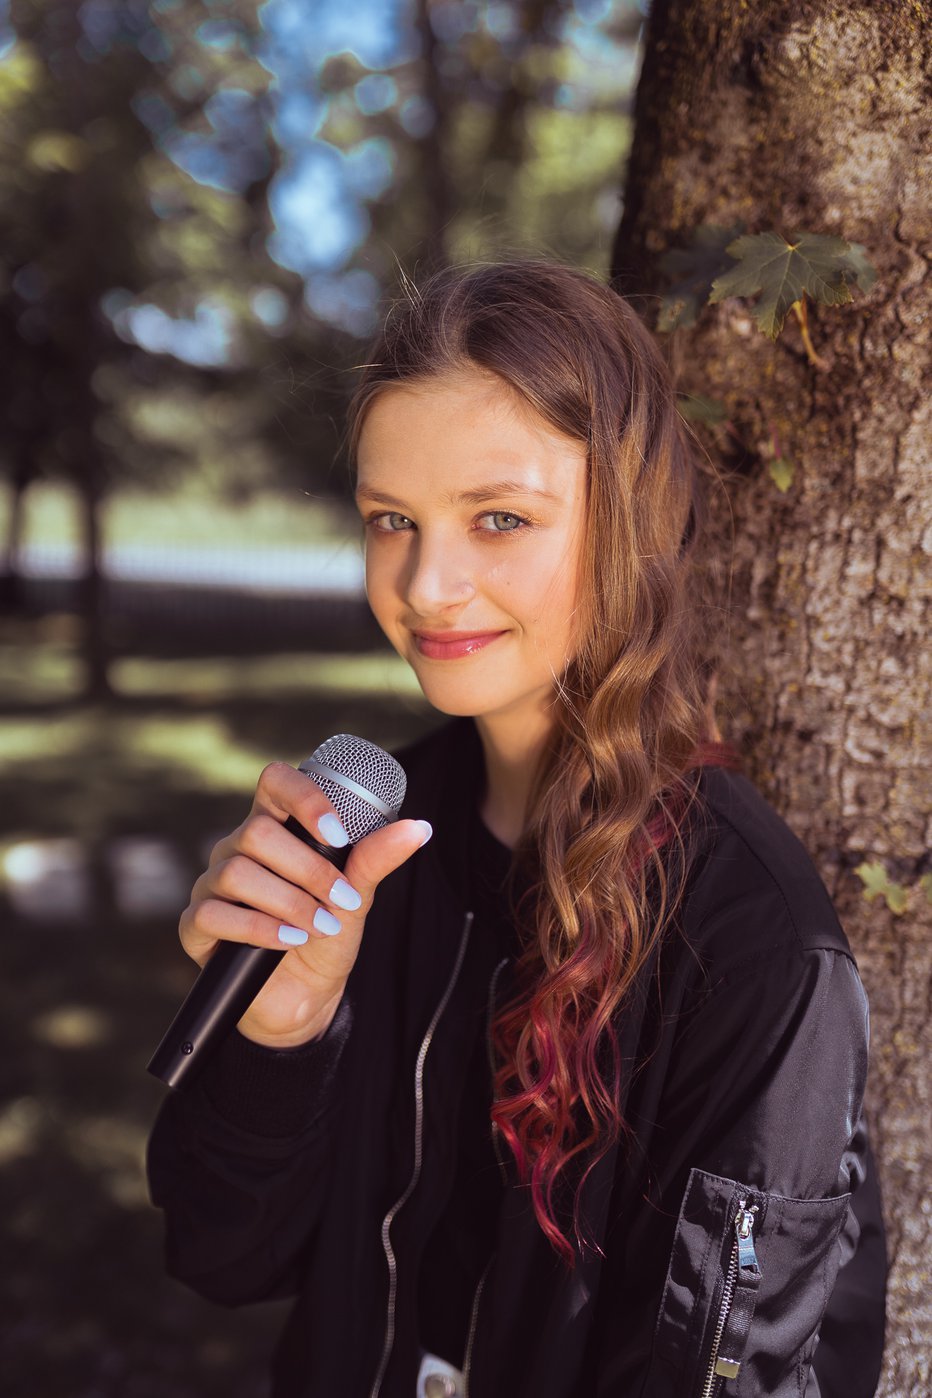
[(203, 207), (203, 204)]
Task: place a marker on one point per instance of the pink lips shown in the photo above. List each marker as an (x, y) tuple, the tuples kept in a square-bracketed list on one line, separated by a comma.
[(450, 645)]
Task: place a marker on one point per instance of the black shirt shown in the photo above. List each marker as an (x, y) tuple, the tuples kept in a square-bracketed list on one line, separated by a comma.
[(267, 1191), (462, 1242)]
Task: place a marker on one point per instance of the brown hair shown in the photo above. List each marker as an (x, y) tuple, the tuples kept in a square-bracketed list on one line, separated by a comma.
[(612, 793)]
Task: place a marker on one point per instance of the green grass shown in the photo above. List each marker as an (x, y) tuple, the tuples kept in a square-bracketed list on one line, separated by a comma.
[(83, 1004), (183, 740), (372, 673), (187, 517), (51, 672)]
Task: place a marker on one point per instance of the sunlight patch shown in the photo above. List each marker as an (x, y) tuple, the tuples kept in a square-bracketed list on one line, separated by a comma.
[(72, 1027)]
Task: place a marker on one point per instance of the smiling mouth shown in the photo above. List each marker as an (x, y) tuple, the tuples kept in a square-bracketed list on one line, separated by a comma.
[(451, 645)]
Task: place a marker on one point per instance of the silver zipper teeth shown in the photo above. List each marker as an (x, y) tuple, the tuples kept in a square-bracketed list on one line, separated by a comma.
[(418, 1145), (709, 1387), (732, 1277), (474, 1314), (472, 1328)]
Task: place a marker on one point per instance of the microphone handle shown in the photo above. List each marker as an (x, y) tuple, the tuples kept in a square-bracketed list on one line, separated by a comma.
[(225, 988)]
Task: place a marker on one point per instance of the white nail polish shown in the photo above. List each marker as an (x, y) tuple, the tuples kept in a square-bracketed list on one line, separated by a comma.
[(332, 831), (291, 936), (344, 896), (326, 922)]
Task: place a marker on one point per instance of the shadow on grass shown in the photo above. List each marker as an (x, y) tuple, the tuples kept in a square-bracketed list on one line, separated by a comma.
[(87, 1311)]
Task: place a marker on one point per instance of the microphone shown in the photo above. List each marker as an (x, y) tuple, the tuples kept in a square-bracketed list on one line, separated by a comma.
[(366, 787)]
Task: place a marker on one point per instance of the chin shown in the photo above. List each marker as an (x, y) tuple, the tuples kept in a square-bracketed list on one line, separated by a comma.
[(455, 708), (461, 704)]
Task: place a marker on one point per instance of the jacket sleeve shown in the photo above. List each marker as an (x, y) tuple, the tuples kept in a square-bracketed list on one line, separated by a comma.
[(754, 1134), (239, 1164)]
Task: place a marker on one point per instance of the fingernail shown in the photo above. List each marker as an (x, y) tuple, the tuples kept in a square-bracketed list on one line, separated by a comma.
[(427, 828), (344, 896), (326, 922), (332, 831), (291, 936)]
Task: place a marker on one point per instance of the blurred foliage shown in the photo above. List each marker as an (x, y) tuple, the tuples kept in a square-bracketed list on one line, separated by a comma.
[(87, 991), (203, 206), (142, 260), (104, 240), (205, 203), (195, 514), (204, 726)]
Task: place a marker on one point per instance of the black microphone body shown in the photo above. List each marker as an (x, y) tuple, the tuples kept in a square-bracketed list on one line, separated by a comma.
[(232, 978)]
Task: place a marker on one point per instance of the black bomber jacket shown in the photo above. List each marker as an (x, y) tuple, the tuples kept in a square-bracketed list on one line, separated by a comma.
[(738, 1218)]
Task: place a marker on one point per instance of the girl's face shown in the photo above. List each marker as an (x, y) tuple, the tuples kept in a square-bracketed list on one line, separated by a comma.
[(474, 508)]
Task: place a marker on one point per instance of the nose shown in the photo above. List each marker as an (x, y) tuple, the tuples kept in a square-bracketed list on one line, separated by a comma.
[(439, 577)]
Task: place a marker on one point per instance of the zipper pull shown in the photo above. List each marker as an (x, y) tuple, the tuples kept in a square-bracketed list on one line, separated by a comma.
[(735, 1320), (744, 1229)]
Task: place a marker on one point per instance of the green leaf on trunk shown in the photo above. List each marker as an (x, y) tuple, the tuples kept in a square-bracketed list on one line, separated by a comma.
[(812, 265), (697, 408), (782, 471), (877, 883), (925, 883), (694, 270)]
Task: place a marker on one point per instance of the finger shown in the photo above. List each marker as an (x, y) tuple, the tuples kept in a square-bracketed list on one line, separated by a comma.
[(214, 920), (271, 845), (283, 791), (242, 880), (379, 854)]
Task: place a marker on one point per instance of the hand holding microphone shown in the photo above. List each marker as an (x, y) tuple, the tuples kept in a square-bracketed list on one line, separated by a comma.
[(277, 918)]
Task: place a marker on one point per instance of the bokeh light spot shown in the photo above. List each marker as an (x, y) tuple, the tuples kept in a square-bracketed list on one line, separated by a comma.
[(20, 1128), (375, 93), (71, 1027)]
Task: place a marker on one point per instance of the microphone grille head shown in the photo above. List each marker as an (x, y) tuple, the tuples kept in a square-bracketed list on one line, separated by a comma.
[(363, 783)]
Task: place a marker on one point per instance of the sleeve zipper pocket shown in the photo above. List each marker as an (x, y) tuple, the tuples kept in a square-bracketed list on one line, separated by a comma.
[(736, 1308)]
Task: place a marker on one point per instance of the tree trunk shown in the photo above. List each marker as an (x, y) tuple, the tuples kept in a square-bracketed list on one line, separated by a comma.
[(91, 586), (11, 598), (813, 116), (435, 179), (507, 138)]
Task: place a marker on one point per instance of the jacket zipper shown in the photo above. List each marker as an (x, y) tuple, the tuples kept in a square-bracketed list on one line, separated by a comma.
[(742, 1256), (415, 1174), (474, 1314)]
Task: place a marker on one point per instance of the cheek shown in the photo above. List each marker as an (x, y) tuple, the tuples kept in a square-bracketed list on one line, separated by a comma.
[(380, 590), (551, 591)]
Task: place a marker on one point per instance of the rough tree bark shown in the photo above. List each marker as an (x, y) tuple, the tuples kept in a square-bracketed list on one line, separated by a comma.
[(814, 115)]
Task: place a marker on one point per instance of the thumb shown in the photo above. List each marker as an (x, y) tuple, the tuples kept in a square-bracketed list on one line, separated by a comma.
[(380, 853)]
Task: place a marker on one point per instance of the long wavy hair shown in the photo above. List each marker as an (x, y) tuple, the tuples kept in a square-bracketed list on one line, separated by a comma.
[(605, 836)]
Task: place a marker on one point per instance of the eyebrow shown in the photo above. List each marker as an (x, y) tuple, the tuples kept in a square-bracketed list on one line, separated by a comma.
[(494, 490)]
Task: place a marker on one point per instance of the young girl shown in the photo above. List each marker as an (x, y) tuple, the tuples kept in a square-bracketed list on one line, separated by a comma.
[(566, 1099)]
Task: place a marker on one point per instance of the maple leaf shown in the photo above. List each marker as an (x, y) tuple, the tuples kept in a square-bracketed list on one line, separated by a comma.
[(782, 273)]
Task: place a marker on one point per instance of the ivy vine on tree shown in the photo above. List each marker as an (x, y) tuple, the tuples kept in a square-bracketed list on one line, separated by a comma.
[(724, 262)]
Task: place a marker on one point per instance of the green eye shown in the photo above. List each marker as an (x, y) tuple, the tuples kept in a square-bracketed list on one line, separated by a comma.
[(503, 522)]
